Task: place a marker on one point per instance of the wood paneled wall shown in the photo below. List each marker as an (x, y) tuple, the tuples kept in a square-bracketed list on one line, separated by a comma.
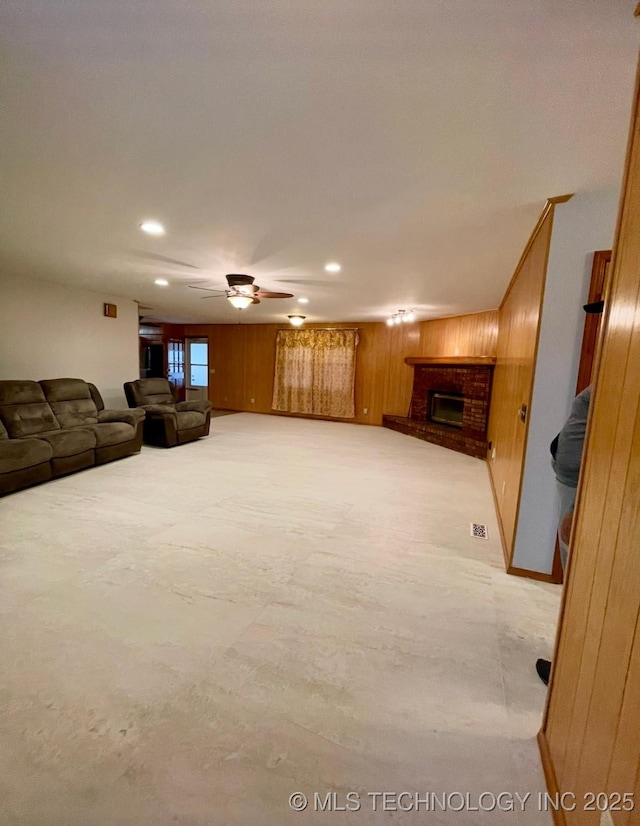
[(518, 324), (475, 334), (591, 735), (243, 357)]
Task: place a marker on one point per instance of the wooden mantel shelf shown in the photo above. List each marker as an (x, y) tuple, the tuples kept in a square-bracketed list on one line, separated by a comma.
[(460, 361)]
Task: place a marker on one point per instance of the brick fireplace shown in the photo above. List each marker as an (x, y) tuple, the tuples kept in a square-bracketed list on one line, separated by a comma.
[(449, 403)]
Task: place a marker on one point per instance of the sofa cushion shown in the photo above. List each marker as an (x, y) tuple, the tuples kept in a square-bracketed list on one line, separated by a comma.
[(69, 442), (71, 401), (202, 406), (24, 409), (154, 391), (113, 433), (132, 416), (20, 454), (189, 419)]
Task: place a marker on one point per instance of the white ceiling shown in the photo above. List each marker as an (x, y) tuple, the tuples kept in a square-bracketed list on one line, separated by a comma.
[(413, 141)]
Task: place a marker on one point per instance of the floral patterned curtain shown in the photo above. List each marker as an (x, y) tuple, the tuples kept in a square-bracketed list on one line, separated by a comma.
[(315, 372)]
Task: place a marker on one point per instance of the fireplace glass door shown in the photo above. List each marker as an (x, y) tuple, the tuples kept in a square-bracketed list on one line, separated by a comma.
[(446, 408)]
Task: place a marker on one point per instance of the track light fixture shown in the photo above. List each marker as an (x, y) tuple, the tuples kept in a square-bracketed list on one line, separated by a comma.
[(402, 316)]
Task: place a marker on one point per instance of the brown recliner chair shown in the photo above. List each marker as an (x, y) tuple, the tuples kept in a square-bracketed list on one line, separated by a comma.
[(168, 422)]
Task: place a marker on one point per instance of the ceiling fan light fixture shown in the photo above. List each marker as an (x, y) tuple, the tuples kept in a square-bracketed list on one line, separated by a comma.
[(296, 320), (240, 302)]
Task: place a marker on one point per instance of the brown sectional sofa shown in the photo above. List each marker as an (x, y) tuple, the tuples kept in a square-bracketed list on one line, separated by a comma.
[(51, 428)]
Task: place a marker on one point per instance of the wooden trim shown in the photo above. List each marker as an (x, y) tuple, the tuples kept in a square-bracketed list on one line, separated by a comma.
[(550, 777), (456, 315), (503, 542), (556, 644), (560, 199), (294, 415), (533, 575), (551, 202), (591, 334), (462, 361), (556, 571), (314, 416)]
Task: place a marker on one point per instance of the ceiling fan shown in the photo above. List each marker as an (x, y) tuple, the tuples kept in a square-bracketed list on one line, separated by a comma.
[(241, 292)]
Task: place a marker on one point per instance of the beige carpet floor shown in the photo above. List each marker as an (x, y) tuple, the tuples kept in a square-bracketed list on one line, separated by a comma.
[(191, 636)]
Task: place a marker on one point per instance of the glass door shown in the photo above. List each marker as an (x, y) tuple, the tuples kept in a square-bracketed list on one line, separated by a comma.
[(197, 369)]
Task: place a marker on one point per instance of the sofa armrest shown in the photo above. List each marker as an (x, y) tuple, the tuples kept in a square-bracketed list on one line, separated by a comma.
[(198, 406), (131, 416), (159, 410)]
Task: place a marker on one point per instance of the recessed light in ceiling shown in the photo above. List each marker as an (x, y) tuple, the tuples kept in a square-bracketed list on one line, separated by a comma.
[(161, 282), (332, 266), (152, 228), (303, 301)]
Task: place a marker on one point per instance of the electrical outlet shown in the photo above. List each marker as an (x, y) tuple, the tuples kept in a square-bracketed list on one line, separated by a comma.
[(493, 454), (212, 370), (365, 411), (253, 401), (606, 819), (225, 398), (504, 485)]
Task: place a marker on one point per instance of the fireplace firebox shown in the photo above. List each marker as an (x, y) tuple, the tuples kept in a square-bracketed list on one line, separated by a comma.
[(446, 408)]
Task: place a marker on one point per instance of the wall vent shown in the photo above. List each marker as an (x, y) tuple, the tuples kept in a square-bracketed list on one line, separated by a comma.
[(478, 530)]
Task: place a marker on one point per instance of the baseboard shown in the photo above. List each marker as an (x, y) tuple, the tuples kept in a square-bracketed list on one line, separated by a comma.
[(555, 577), (505, 553), (311, 416), (511, 569), (550, 778)]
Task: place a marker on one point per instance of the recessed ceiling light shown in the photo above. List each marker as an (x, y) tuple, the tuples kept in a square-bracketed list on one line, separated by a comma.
[(332, 266), (152, 228), (303, 301), (161, 282)]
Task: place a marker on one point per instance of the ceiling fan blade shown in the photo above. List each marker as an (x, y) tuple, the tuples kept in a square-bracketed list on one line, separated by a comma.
[(206, 289), (164, 259), (309, 282), (255, 300), (266, 294)]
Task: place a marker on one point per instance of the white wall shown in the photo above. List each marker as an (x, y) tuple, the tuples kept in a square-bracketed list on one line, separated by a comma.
[(50, 331), (581, 226)]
